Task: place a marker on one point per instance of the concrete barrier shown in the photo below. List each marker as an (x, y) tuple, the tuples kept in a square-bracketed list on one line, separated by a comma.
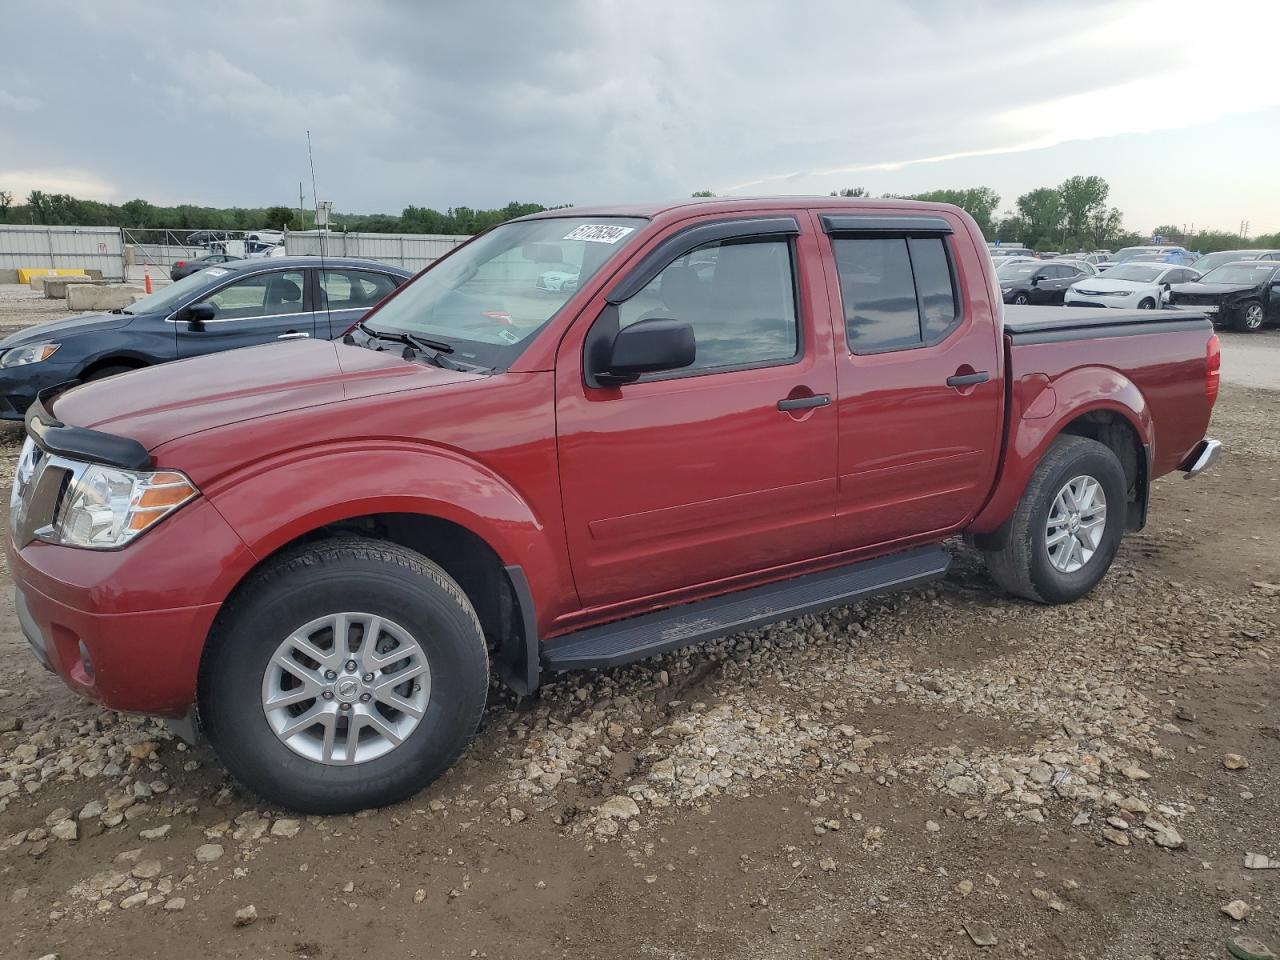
[(92, 296), (55, 288), (27, 274), (8, 276)]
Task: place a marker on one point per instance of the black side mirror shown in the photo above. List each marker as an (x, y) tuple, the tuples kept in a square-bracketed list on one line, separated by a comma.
[(198, 314), (649, 346)]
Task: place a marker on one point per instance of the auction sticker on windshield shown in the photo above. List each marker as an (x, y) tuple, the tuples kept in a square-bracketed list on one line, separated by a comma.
[(599, 233)]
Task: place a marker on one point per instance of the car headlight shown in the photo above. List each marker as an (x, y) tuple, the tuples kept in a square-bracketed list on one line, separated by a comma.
[(35, 353), (107, 507)]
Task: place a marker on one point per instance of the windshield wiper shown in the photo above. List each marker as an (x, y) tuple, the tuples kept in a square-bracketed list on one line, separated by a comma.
[(433, 349)]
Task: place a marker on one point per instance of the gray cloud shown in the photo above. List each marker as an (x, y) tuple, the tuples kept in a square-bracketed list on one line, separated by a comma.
[(575, 101)]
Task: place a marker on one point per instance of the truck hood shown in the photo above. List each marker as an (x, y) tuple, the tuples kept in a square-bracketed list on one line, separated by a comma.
[(163, 403), (61, 329)]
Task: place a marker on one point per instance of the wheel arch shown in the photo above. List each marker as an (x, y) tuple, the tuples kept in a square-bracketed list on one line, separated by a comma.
[(1098, 403)]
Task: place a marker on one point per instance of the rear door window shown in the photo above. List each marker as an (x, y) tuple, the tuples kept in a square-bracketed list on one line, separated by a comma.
[(898, 292), (354, 289)]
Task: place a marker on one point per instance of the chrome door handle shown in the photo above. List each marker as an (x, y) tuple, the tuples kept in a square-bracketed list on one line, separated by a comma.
[(804, 403), (293, 336)]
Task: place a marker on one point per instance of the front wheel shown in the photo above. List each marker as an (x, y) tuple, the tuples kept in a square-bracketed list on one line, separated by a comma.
[(1066, 529), (1249, 317), (1146, 304), (347, 674), (1020, 299)]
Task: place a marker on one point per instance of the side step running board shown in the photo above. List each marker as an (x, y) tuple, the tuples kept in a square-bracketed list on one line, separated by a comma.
[(613, 644)]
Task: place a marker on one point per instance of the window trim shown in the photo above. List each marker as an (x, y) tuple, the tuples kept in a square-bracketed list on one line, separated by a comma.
[(905, 236), (607, 324)]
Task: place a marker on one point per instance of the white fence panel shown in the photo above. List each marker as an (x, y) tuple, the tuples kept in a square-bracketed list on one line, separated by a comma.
[(413, 251), (85, 248)]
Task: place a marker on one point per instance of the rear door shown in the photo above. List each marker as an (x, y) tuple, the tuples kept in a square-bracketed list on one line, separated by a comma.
[(260, 308), (345, 294), (918, 367)]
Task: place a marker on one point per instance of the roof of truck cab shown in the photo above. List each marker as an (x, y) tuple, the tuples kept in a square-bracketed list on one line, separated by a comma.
[(698, 205)]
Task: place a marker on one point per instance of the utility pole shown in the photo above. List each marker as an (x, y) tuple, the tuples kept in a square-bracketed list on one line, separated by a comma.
[(302, 217)]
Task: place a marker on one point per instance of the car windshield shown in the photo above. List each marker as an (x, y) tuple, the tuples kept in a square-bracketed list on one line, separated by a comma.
[(1239, 273), (166, 299), (488, 299), (1137, 272), (1211, 261), (1014, 271)]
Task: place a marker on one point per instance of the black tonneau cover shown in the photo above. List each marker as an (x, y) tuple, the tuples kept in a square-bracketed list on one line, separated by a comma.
[(1051, 324)]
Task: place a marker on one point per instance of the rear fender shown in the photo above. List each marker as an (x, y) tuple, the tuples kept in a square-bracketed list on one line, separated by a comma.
[(1039, 410), (279, 501)]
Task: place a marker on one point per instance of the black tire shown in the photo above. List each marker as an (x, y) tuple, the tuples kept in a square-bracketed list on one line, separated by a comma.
[(1249, 317), (1146, 304), (1022, 567), (103, 372), (1021, 299), (334, 576)]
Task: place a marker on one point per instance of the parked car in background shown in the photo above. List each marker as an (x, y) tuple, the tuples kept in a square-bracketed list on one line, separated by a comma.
[(553, 281), (183, 268), (1132, 285), (1001, 253), (1097, 259), (1165, 254), (1211, 261), (331, 547), (1048, 254), (1243, 296), (1084, 266), (1037, 282), (235, 304)]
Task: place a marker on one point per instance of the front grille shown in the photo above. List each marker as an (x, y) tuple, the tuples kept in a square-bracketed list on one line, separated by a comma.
[(1194, 300), (39, 484)]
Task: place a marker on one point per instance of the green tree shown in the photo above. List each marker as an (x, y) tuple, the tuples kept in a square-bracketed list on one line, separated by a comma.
[(1082, 200), (979, 202), (6, 201), (851, 192), (279, 218), (1040, 211), (702, 193)]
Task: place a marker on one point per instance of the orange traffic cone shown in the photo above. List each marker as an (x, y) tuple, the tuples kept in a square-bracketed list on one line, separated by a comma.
[(146, 280)]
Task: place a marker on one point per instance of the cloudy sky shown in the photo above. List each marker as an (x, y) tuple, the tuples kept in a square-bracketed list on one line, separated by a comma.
[(437, 104)]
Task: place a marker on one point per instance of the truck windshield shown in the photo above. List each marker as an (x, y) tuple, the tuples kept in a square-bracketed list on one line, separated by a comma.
[(493, 295)]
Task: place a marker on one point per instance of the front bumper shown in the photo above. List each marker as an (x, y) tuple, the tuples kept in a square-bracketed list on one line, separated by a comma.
[(1201, 458), (127, 628), (19, 385)]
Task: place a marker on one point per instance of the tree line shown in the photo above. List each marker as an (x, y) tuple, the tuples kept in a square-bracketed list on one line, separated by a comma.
[(1074, 215), (1071, 217), (63, 209)]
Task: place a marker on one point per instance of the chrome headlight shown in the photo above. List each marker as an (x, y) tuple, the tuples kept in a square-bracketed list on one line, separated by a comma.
[(106, 507), (34, 353)]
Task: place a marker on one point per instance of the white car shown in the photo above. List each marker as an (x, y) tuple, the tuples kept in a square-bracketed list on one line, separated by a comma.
[(1128, 286), (556, 280)]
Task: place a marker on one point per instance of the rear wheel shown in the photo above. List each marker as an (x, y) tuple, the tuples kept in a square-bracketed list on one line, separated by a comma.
[(1249, 317), (1067, 527), (348, 674)]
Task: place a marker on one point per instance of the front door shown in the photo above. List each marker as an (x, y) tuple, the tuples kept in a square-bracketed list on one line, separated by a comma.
[(262, 308), (918, 363), (723, 468)]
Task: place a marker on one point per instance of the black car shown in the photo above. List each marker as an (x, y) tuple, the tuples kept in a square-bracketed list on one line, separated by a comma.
[(1242, 296), (237, 304), (184, 268), (1037, 282)]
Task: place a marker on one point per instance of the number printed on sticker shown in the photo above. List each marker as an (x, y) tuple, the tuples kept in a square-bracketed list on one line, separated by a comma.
[(599, 233)]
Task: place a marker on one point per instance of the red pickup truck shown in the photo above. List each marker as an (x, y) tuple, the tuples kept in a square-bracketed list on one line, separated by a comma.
[(710, 416)]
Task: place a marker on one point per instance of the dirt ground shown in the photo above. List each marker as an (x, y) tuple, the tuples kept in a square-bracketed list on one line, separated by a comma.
[(898, 778)]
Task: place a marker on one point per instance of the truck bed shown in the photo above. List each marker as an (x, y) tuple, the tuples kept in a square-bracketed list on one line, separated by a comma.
[(1032, 324)]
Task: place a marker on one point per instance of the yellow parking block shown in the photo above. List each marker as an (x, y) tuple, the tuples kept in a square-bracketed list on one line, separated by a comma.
[(26, 273)]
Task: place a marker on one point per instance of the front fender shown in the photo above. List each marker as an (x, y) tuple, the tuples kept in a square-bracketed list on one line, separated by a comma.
[(1039, 410), (277, 501)]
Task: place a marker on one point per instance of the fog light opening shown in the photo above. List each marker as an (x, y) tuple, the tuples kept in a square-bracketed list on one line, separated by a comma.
[(86, 662)]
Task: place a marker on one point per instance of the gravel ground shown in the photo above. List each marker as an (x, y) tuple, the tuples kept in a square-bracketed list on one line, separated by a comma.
[(907, 777)]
